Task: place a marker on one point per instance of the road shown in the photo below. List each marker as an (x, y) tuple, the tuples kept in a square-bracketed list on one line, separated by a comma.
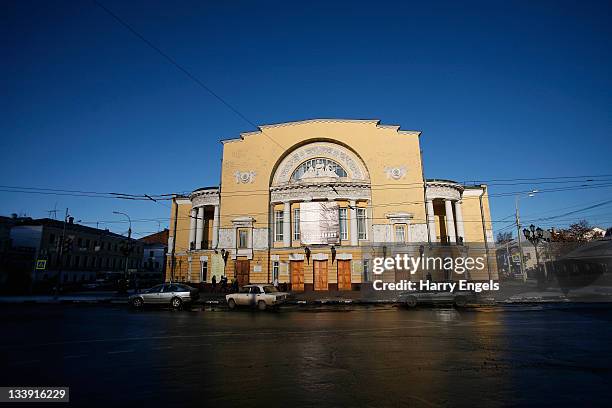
[(378, 357)]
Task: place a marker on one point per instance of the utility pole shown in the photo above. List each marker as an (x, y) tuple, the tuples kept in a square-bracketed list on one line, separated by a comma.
[(173, 249), (518, 232), (518, 237), (60, 256), (484, 231), (127, 248)]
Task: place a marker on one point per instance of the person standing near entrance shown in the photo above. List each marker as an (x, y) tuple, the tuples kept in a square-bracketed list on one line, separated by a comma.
[(214, 282)]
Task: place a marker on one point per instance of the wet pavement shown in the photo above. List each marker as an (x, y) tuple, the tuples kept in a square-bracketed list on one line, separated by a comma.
[(542, 355)]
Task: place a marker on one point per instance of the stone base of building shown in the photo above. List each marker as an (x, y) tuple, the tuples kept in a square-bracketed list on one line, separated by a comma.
[(319, 269)]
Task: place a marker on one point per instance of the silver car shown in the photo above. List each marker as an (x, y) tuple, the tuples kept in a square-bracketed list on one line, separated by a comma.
[(436, 298), (173, 294)]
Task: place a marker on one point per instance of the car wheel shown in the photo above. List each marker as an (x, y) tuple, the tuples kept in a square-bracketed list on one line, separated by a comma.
[(261, 305), (411, 301), (231, 303), (137, 303), (460, 301), (176, 303)]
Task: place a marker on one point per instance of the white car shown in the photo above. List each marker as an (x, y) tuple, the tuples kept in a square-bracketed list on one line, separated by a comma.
[(262, 296)]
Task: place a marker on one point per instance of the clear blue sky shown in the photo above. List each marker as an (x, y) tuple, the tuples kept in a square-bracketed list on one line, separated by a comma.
[(512, 90)]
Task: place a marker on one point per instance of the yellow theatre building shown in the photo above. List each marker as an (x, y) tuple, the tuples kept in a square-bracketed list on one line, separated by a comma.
[(310, 203)]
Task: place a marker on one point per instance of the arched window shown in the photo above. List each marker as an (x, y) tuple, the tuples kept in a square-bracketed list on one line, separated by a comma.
[(318, 167)]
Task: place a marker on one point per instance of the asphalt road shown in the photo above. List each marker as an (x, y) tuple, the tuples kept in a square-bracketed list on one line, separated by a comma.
[(535, 356)]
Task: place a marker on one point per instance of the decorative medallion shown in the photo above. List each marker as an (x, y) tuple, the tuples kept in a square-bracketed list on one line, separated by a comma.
[(395, 173), (244, 177)]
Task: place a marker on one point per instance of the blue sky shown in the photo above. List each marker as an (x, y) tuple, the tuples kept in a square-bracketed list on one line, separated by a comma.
[(501, 90)]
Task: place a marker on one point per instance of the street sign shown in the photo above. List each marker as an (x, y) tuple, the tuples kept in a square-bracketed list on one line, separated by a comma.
[(516, 259), (41, 264)]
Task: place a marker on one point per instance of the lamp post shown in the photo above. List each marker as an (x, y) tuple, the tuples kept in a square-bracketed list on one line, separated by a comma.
[(127, 248), (518, 232), (535, 236)]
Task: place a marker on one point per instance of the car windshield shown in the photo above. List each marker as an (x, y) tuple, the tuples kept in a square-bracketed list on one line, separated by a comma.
[(270, 289)]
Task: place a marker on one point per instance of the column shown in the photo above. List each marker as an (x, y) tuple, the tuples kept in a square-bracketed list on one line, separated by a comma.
[(215, 232), (200, 228), (287, 224), (192, 227), (460, 226), (353, 222), (271, 226), (431, 221), (450, 221)]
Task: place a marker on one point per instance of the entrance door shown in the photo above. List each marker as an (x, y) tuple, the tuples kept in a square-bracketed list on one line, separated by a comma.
[(297, 276), (344, 275), (320, 275), (242, 271)]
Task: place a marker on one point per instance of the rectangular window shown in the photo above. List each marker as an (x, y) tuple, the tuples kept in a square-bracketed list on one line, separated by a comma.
[(87, 243), (400, 233), (278, 226), (296, 224), (275, 269), (343, 218), (361, 224), (243, 238), (203, 270)]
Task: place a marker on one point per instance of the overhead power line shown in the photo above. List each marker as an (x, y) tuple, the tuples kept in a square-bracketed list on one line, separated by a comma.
[(183, 69)]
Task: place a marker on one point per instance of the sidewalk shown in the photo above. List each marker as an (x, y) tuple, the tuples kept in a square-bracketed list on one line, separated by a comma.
[(510, 293)]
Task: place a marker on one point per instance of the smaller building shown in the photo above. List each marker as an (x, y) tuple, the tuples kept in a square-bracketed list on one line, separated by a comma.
[(155, 249), (84, 255)]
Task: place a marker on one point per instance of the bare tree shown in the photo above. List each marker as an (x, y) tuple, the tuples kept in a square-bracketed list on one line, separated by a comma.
[(503, 237)]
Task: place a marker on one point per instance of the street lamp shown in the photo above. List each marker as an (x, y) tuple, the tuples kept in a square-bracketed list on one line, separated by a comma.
[(535, 236), (129, 220), (518, 231)]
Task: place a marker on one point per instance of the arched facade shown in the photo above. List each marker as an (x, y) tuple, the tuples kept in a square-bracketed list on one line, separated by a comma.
[(307, 204)]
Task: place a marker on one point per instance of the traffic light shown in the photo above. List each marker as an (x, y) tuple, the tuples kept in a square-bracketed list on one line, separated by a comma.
[(67, 244)]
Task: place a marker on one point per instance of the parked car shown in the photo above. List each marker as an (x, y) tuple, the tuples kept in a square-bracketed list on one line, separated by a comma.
[(172, 294), (261, 296), (435, 298)]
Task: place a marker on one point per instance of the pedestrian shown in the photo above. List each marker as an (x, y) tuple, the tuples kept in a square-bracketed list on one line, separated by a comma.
[(224, 283), (275, 283), (235, 285), (214, 282)]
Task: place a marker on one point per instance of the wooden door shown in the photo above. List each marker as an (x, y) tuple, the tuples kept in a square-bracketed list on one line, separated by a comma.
[(344, 275), (297, 276), (320, 275), (242, 271)]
